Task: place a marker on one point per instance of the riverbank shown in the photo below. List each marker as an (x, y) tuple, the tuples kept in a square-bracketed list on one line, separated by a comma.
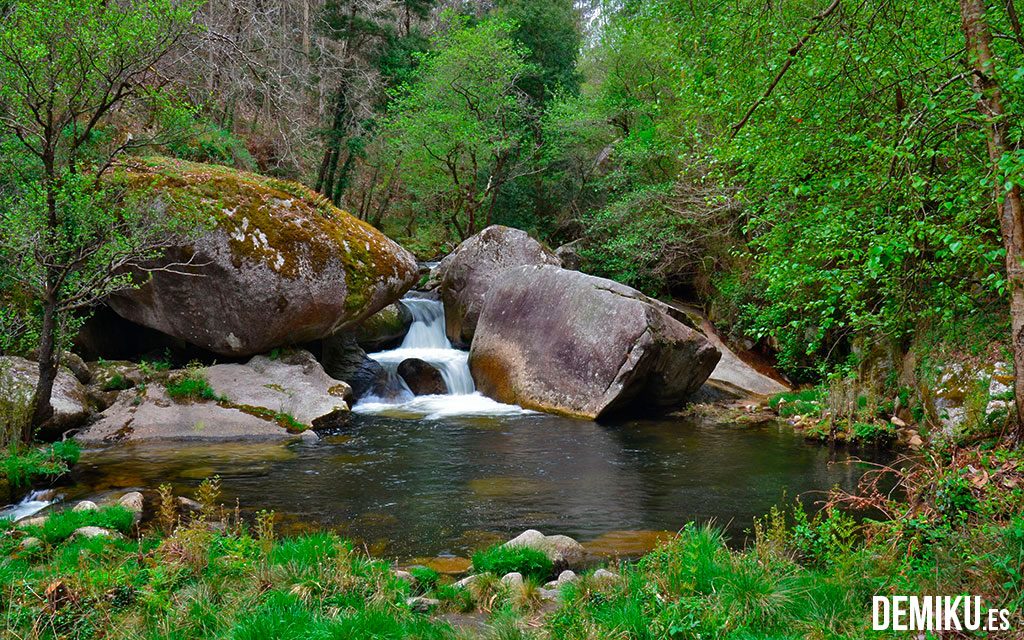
[(204, 572)]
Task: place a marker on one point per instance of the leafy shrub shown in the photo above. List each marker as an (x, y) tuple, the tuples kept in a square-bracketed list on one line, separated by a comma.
[(872, 432), (953, 497), (59, 526), (803, 402), (501, 559), (191, 385), (21, 466)]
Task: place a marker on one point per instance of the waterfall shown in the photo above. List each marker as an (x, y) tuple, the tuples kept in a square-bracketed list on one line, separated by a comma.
[(30, 505), (426, 340), (427, 329)]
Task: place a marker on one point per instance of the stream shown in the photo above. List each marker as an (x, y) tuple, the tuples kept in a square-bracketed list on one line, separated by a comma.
[(444, 475)]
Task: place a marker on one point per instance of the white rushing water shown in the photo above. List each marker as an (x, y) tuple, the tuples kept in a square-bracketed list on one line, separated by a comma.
[(30, 505), (427, 341)]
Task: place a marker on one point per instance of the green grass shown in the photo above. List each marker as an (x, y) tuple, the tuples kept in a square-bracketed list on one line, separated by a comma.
[(61, 525), (21, 466), (191, 385), (793, 403), (501, 559), (117, 382)]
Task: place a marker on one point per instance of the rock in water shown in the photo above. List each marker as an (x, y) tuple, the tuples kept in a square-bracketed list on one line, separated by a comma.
[(279, 266), (344, 359), (565, 342), (467, 273), (563, 551), (422, 377)]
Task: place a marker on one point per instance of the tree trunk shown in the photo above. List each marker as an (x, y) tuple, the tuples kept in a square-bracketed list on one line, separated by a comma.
[(1011, 212), (42, 409)]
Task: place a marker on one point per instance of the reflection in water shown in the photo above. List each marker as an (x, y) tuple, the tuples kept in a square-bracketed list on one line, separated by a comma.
[(424, 488)]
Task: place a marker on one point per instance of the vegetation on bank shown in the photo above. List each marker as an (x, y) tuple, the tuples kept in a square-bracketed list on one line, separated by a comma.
[(209, 573)]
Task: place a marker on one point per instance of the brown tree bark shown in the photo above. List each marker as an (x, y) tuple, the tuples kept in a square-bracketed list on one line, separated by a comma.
[(1011, 212)]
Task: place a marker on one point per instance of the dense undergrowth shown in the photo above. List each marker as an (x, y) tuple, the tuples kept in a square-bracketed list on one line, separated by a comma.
[(957, 529)]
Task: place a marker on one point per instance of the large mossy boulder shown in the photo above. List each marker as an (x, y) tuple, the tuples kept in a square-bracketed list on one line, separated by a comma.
[(568, 343), (278, 266), (466, 274)]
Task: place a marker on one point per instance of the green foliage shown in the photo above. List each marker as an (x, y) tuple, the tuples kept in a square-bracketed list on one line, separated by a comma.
[(61, 525), (459, 133), (191, 385), (502, 559), (20, 466), (803, 402), (426, 578)]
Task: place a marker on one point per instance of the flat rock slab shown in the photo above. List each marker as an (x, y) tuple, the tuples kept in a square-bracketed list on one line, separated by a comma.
[(256, 393), (293, 383)]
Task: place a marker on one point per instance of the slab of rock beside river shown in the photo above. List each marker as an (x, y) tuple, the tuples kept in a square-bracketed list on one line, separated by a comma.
[(261, 399)]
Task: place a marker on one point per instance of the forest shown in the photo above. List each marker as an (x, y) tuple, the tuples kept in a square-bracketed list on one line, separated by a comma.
[(826, 194)]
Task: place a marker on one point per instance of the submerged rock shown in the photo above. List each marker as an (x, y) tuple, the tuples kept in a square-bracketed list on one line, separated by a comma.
[(568, 343), (422, 377), (344, 359), (72, 406), (279, 266), (467, 273), (563, 551)]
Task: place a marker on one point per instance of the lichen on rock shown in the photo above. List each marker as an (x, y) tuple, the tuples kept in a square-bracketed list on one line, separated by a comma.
[(278, 264)]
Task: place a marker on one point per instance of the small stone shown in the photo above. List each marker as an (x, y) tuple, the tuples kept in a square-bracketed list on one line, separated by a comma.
[(94, 532), (550, 594), (36, 521), (405, 575), (85, 505), (422, 604), (603, 576), (566, 577), (466, 582), (309, 436), (514, 579), (189, 504), (29, 543), (132, 501)]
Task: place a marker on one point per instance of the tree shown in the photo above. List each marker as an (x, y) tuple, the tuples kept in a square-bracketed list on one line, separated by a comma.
[(1011, 211), (65, 67), (462, 128)]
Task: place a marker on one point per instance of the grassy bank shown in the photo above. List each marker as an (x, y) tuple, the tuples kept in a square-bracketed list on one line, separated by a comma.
[(210, 574)]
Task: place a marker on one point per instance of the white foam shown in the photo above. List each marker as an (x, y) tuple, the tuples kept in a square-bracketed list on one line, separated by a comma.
[(437, 407), (30, 505)]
